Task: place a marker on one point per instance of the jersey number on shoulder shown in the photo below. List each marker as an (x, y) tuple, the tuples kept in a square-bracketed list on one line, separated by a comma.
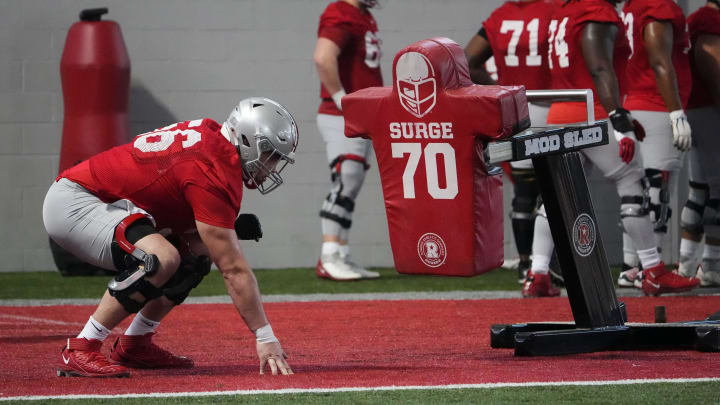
[(430, 154), (516, 27), (372, 50), (556, 43), (161, 139)]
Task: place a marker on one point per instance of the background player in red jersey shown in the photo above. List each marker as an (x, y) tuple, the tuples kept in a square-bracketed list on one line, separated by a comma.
[(516, 35), (187, 179), (701, 213), (347, 57), (587, 50), (658, 83)]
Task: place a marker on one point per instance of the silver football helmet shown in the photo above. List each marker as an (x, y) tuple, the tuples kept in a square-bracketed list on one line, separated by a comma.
[(266, 136)]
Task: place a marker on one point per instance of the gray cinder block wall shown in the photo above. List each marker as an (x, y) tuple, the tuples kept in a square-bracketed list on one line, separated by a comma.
[(197, 58)]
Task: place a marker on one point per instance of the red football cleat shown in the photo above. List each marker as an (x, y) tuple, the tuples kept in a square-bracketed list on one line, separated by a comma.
[(140, 352), (539, 285), (82, 358), (659, 280)]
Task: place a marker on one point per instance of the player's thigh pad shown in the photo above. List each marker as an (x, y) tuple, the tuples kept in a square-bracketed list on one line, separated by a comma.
[(332, 129), (657, 149), (83, 224)]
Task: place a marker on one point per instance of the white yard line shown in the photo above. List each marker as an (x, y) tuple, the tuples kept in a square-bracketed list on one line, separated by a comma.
[(31, 319), (436, 295), (361, 389)]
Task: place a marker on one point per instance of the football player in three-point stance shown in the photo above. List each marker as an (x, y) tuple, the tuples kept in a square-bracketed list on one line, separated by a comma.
[(516, 35), (701, 213), (347, 57), (588, 50), (658, 86), (186, 178)]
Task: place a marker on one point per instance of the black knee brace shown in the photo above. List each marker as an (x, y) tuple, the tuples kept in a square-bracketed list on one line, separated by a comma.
[(524, 205), (659, 180), (335, 197), (691, 217), (188, 276), (134, 264)]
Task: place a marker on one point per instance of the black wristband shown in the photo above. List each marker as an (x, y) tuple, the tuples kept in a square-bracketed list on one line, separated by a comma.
[(621, 121)]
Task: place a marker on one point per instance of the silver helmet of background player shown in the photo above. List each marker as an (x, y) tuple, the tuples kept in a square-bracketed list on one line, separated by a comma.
[(266, 136)]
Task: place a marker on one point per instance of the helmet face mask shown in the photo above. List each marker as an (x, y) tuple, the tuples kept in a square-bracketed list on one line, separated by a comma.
[(266, 136)]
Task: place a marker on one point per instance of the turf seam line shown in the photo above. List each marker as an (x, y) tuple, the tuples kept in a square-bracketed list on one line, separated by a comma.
[(360, 389)]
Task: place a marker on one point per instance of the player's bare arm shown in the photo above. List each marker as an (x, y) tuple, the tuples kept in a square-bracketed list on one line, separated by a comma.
[(598, 44), (707, 61), (658, 36), (225, 252), (326, 63), (477, 52)]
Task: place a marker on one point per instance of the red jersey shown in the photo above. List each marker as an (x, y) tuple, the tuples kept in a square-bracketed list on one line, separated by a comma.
[(518, 33), (180, 173), (642, 91), (566, 61), (354, 30), (705, 21)]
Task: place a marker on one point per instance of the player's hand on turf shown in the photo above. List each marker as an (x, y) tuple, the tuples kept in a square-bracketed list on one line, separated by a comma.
[(272, 355), (682, 134)]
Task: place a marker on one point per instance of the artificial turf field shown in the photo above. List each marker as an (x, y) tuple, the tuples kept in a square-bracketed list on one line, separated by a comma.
[(385, 344)]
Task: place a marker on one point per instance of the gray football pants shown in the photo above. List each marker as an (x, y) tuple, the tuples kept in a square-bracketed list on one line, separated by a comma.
[(83, 224), (348, 182)]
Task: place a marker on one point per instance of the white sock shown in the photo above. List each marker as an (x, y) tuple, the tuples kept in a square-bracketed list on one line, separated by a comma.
[(329, 248), (94, 330), (689, 248), (688, 256), (649, 258), (540, 264), (345, 250), (630, 256), (141, 326)]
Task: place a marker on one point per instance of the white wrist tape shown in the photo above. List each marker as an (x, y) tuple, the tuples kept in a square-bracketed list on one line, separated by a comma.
[(677, 114), (265, 335), (337, 97), (619, 136)]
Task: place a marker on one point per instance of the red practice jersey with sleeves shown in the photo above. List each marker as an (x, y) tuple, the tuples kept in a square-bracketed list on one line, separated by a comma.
[(705, 21), (179, 173), (566, 60), (518, 34), (354, 31), (642, 91)]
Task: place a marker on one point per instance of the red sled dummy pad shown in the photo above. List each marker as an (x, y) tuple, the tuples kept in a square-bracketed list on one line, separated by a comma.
[(444, 212)]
